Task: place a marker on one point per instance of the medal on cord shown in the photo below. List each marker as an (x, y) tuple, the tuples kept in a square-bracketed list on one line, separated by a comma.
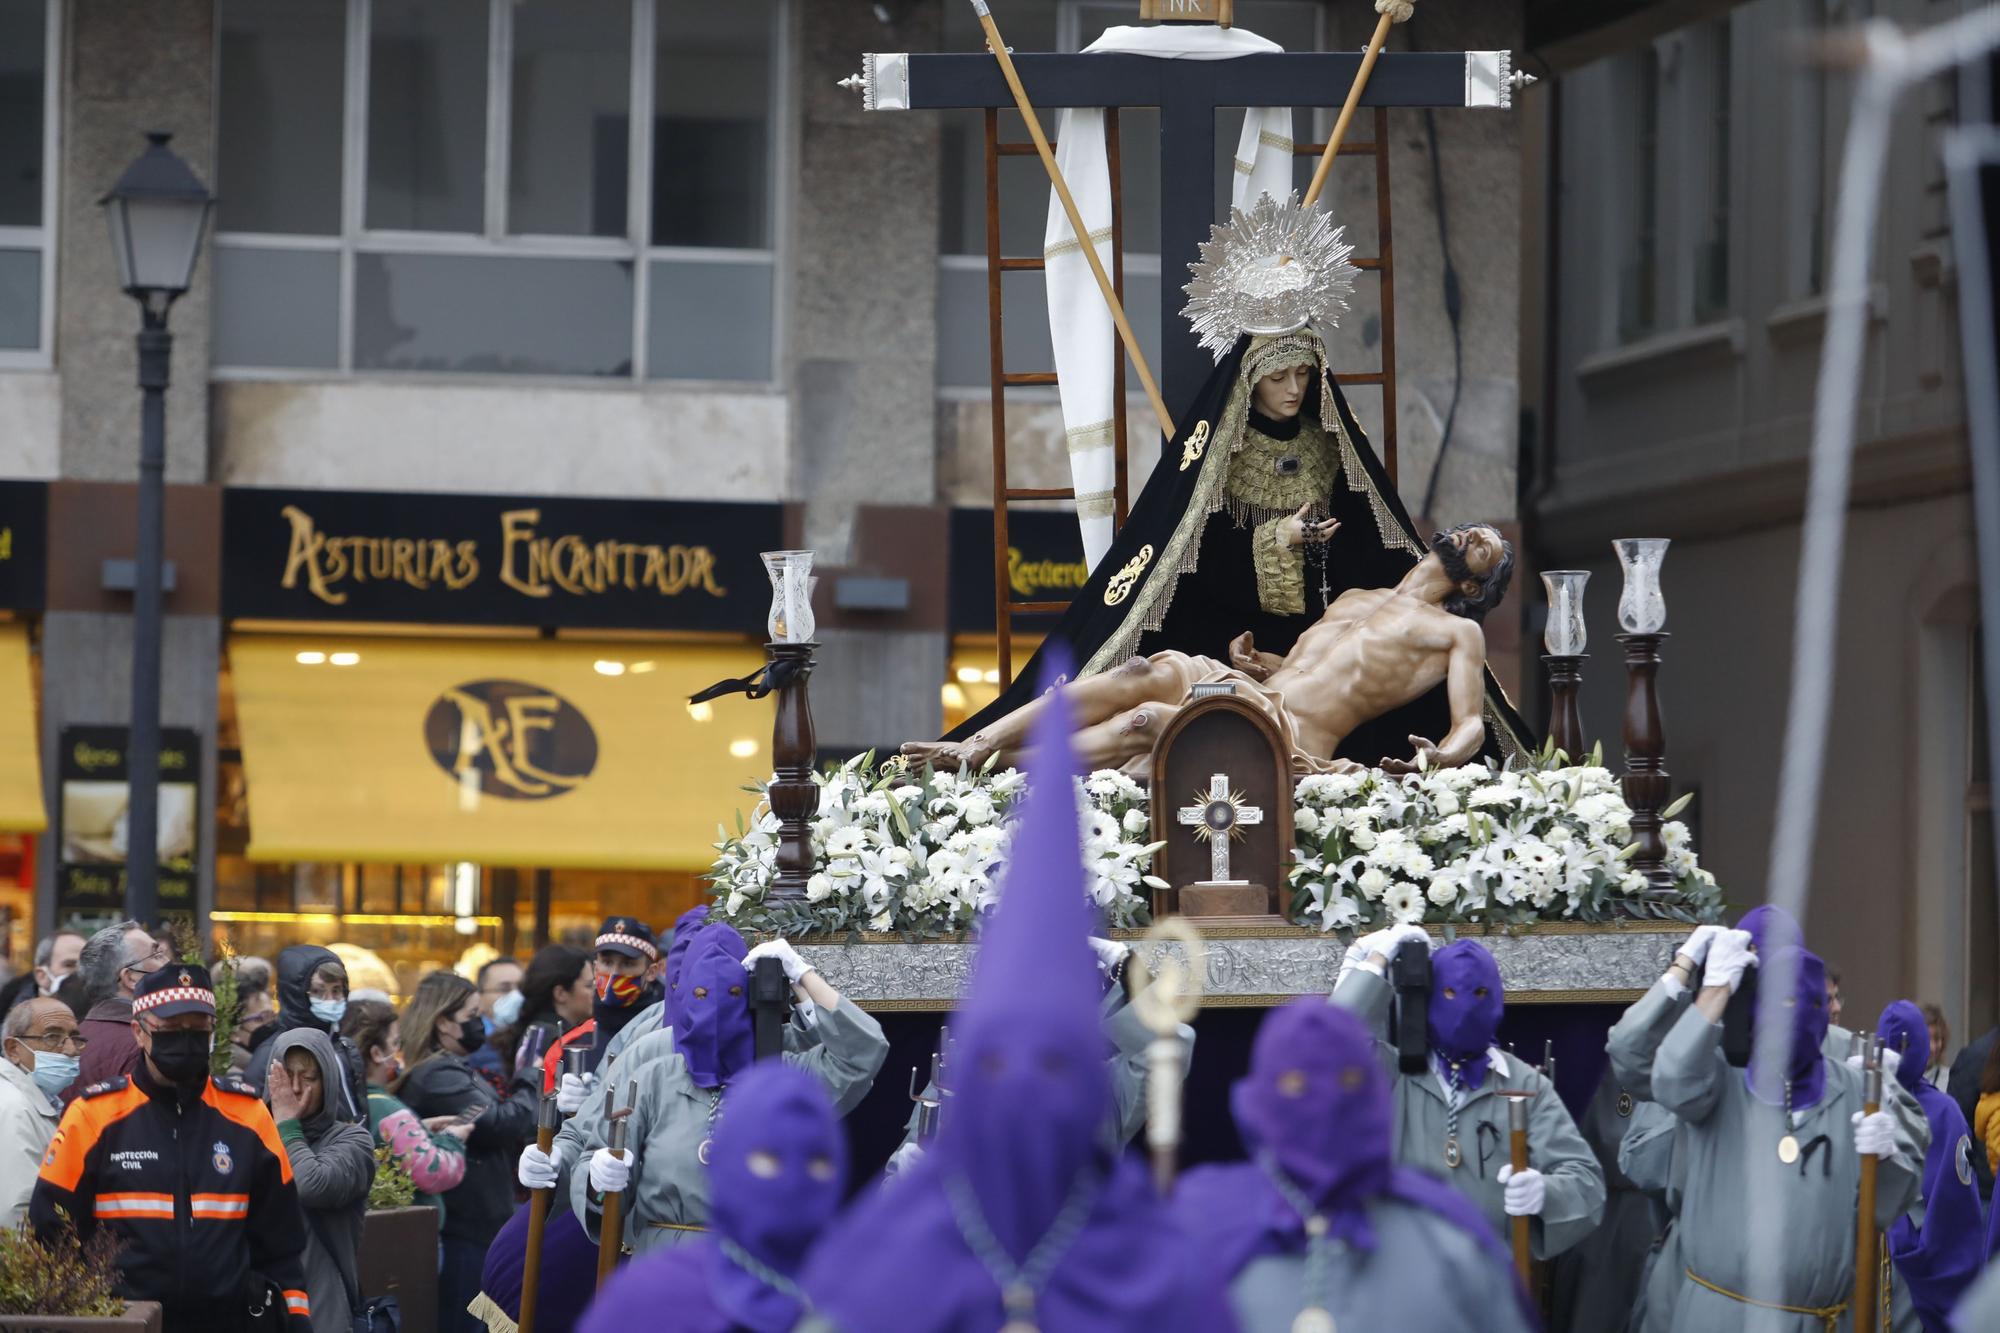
[(1313, 1316), (1788, 1146), (1020, 1284), (1453, 1155), (706, 1148)]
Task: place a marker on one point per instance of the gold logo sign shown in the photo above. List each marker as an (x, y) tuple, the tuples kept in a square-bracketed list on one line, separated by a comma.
[(1029, 577), (1194, 446), (532, 563), (1126, 579), (510, 739)]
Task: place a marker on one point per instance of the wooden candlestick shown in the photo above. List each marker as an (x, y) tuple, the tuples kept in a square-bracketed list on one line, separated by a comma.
[(1645, 780), (1565, 721), (794, 751)]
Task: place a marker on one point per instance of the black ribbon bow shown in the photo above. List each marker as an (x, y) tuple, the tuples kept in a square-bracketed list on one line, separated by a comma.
[(766, 679)]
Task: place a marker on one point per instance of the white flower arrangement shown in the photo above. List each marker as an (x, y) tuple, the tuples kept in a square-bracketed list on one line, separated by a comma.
[(921, 852)]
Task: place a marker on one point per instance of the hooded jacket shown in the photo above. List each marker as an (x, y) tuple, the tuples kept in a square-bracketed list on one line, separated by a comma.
[(348, 1094), (333, 1163)]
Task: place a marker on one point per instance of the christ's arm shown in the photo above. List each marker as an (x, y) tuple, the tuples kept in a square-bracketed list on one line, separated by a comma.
[(1464, 687)]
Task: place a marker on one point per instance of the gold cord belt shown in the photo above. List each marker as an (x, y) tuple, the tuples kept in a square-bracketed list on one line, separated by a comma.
[(1828, 1315), (675, 1226)]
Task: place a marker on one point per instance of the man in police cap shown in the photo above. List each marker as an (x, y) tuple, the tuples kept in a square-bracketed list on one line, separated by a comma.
[(186, 1171)]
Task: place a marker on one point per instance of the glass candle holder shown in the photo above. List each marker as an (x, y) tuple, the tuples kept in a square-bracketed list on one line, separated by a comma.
[(1564, 635), (1642, 608), (792, 584)]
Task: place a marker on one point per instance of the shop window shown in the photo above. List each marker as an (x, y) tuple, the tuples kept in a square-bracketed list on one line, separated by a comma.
[(972, 673), (29, 33), (495, 187)]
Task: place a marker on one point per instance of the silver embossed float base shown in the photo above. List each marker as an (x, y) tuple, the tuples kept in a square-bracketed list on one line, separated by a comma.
[(1255, 967)]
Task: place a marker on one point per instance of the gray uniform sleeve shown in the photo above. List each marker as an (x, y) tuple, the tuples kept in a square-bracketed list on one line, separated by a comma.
[(1366, 996), (1646, 1152), (1635, 1038), (850, 1053), (1129, 1039), (1688, 1071), (1573, 1204)]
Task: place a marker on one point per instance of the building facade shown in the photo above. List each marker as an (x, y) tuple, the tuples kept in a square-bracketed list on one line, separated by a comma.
[(1681, 177), (523, 326)]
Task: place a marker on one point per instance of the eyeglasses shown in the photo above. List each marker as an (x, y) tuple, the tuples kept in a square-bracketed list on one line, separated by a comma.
[(57, 1040), (150, 962)]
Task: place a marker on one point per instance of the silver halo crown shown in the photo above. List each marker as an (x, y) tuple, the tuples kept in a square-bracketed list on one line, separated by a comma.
[(1274, 268)]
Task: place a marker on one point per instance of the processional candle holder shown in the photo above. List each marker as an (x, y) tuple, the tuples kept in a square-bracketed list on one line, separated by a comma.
[(794, 796), (1564, 638), (1642, 611)]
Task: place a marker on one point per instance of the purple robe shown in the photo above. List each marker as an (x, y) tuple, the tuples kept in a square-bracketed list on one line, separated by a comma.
[(569, 1270), (1020, 1155), (1937, 1260)]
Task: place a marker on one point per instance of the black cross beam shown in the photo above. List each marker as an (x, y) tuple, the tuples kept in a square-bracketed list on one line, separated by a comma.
[(1188, 94)]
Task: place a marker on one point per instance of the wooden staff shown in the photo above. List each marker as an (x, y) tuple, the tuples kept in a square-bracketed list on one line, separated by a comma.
[(1125, 334), (1866, 1241), (611, 1226), (1353, 102), (548, 1117), (1517, 1127)]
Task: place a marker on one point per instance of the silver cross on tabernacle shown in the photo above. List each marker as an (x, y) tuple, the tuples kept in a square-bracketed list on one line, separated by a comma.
[(1218, 816)]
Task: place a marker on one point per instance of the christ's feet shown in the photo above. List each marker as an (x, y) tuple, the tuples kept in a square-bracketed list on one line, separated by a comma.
[(946, 756)]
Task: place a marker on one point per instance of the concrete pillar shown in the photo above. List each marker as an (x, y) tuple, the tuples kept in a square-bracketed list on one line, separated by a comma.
[(862, 324)]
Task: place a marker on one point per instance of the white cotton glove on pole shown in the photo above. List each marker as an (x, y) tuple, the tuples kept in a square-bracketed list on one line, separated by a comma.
[(1695, 950), (788, 957), (904, 1158), (1527, 1191), (1890, 1060), (1399, 935), (1874, 1135), (572, 1091), (538, 1170), (1730, 956), (608, 1174), (1110, 953)]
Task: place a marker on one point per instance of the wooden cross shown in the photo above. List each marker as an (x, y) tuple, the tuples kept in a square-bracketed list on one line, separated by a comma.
[(1188, 94), (1217, 817)]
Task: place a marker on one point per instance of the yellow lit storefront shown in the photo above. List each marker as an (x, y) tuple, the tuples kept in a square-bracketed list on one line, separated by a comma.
[(438, 792)]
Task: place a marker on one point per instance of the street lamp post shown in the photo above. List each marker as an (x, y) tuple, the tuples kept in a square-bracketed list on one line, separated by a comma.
[(157, 212)]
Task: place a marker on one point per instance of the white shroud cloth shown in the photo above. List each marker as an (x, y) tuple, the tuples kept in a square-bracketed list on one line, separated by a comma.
[(1080, 325)]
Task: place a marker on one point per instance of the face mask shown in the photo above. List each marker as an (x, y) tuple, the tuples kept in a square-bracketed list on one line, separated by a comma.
[(329, 1012), (619, 992), (54, 1071), (46, 984), (182, 1057), (471, 1036), (507, 1009)]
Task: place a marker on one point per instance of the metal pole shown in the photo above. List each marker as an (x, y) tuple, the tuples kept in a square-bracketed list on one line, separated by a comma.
[(142, 754)]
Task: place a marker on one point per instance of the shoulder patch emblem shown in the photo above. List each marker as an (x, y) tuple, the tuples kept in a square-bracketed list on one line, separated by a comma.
[(1964, 1159), (109, 1085), (1625, 1104), (222, 1161)]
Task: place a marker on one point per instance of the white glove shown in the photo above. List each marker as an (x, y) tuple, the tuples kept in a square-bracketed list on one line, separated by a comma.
[(1875, 1134), (1729, 957), (904, 1158), (1697, 946), (608, 1174), (795, 966), (1363, 946), (538, 1169), (572, 1091), (1110, 953), (1400, 934), (1527, 1191), (1890, 1060)]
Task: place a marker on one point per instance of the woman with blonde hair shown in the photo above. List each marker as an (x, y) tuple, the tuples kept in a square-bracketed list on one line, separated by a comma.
[(440, 1028)]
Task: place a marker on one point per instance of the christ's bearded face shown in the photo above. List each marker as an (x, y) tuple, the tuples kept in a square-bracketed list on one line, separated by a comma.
[(1480, 562), (1278, 394)]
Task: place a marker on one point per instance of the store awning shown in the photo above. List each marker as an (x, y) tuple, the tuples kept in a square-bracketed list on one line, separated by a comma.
[(21, 808), (552, 753)]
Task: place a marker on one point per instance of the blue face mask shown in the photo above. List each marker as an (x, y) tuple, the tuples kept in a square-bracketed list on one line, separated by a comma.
[(507, 1009), (54, 1071), (329, 1012)]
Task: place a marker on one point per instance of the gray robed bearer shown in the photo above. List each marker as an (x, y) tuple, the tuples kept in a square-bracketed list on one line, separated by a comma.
[(1321, 1230), (1793, 1138), (1453, 1119)]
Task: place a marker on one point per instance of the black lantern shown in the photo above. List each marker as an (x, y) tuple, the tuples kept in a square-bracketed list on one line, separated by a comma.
[(157, 212)]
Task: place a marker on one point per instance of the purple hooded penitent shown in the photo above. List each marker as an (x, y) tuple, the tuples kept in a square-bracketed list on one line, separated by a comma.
[(713, 1032), (1316, 1106), (1938, 1260), (1771, 928), (686, 926), (1019, 1148), (1466, 1003), (1805, 1066), (778, 1171)]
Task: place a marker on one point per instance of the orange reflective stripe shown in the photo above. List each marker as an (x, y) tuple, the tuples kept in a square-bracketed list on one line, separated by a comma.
[(296, 1303), (234, 1207), (252, 1114), (134, 1205), (83, 1124)]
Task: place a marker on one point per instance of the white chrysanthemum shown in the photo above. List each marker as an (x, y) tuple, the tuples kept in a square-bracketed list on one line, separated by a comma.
[(881, 921), (1493, 794), (1405, 903)]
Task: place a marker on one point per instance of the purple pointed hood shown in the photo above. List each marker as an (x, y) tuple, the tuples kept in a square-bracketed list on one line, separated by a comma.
[(1771, 928), (777, 1173), (1904, 1031), (1316, 1103), (686, 926), (714, 1034), (1805, 1066), (1466, 1002), (1032, 1089)]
